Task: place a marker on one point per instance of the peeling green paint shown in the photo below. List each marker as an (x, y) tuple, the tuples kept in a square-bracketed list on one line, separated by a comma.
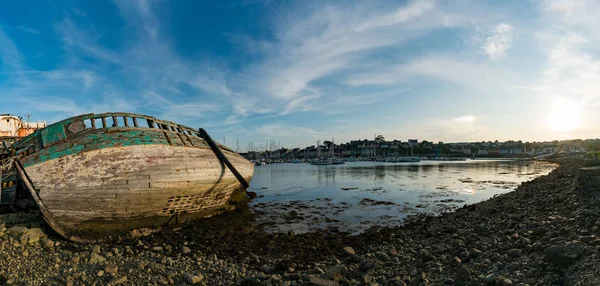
[(53, 134), (100, 139)]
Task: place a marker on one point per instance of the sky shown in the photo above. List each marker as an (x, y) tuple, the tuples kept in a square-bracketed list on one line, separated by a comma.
[(300, 71)]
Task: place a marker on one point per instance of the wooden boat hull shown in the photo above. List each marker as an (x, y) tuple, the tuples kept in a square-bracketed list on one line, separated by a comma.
[(92, 191), (110, 180)]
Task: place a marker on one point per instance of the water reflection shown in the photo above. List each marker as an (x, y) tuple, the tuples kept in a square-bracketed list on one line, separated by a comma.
[(358, 194)]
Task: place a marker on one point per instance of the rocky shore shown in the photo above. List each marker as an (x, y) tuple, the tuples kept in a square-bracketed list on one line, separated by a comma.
[(544, 233)]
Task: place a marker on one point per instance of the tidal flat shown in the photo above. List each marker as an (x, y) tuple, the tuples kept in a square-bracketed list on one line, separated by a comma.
[(543, 233)]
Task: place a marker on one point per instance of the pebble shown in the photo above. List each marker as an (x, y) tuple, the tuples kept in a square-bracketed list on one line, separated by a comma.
[(119, 280), (514, 252), (49, 243), (455, 261)]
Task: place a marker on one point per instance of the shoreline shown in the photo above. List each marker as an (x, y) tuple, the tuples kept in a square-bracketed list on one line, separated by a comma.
[(544, 232)]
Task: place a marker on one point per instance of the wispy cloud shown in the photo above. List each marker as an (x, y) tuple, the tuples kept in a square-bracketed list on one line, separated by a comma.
[(29, 30), (465, 119), (311, 44), (498, 41), (412, 11), (465, 127), (323, 41), (9, 53), (141, 13), (465, 73), (280, 130)]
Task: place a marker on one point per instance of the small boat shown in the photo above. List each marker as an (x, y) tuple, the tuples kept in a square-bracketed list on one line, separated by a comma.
[(96, 174), (321, 162)]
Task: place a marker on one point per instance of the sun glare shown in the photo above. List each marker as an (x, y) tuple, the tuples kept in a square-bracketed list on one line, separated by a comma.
[(564, 116)]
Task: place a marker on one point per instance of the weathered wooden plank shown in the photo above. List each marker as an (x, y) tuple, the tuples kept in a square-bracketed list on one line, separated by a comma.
[(134, 181), (50, 219)]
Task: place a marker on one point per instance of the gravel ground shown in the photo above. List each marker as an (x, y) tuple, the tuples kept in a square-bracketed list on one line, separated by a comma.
[(544, 233)]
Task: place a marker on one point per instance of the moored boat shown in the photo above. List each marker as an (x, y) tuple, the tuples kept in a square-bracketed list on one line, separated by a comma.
[(103, 173)]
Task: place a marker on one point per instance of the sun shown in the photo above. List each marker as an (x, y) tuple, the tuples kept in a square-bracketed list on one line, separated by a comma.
[(564, 116)]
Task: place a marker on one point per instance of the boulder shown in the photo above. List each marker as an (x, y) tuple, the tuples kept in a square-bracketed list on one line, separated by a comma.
[(313, 280), (564, 254), (349, 250), (192, 279), (335, 273), (96, 258), (463, 274)]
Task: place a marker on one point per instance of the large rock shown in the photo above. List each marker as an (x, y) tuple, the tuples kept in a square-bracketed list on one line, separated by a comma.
[(313, 280), (335, 273), (564, 254), (192, 279), (119, 280), (463, 274), (96, 258), (491, 278), (588, 180), (31, 236), (349, 250), (18, 229), (111, 269)]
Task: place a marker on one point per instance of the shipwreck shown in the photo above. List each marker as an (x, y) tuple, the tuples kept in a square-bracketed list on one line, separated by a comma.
[(96, 174)]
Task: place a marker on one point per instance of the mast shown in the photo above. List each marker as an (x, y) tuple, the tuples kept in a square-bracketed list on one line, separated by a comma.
[(332, 151), (318, 149)]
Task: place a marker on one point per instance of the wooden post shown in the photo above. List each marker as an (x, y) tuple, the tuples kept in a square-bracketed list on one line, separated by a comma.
[(222, 157)]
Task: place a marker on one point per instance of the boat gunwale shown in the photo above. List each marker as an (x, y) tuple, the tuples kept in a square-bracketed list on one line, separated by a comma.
[(172, 127), (124, 115)]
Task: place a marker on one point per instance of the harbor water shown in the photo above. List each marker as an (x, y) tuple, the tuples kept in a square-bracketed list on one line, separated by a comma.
[(358, 195)]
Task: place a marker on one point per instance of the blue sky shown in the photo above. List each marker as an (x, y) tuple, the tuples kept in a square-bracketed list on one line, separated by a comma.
[(299, 71)]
